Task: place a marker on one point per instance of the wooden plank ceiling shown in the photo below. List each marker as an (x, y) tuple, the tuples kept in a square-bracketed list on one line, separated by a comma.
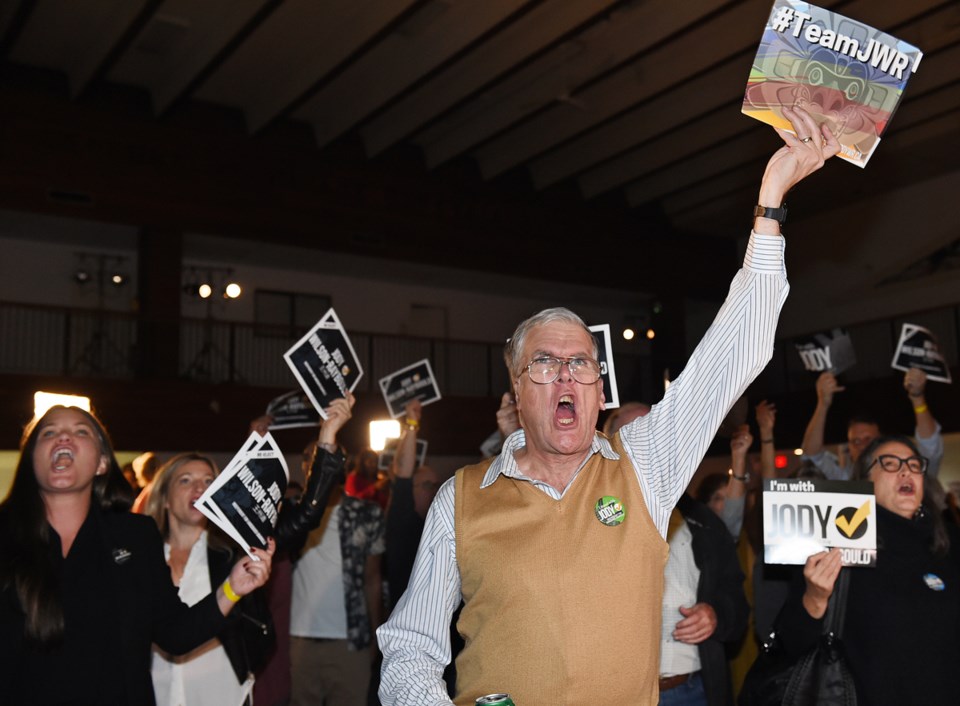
[(627, 108)]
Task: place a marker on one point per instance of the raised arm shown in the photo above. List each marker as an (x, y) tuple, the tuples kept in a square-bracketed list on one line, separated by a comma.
[(667, 445), (326, 472), (827, 387), (732, 514), (405, 462), (929, 439), (766, 420)]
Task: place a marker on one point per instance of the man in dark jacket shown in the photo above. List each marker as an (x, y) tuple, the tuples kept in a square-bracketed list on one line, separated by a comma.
[(703, 571), (704, 607)]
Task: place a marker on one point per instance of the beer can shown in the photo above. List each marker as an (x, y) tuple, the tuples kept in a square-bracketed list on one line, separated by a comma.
[(495, 700)]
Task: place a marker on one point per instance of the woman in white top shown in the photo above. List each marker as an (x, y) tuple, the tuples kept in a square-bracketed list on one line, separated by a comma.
[(219, 672)]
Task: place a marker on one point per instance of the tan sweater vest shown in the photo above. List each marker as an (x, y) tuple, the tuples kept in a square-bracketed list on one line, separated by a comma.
[(560, 608)]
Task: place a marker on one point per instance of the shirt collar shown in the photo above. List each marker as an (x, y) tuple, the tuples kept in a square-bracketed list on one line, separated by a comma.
[(506, 464)]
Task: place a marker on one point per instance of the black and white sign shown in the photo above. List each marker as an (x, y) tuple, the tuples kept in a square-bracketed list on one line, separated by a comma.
[(244, 499), (827, 351), (601, 332), (802, 517), (324, 362), (414, 382), (385, 459), (918, 348), (292, 409)]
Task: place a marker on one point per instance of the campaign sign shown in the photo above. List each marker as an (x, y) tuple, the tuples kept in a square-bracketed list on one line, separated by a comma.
[(385, 459), (829, 350), (414, 382), (324, 362), (918, 348), (802, 517), (292, 409), (244, 499), (601, 333)]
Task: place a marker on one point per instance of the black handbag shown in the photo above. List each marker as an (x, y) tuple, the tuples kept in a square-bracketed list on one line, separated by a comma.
[(820, 677)]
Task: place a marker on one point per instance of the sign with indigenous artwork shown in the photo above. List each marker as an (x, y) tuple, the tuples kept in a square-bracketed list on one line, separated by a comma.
[(843, 72), (803, 516)]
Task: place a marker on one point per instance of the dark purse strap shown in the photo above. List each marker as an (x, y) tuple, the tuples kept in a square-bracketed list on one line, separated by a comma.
[(837, 607)]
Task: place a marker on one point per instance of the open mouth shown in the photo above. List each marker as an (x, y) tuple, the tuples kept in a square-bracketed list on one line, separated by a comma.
[(566, 410), (62, 459), (906, 489)]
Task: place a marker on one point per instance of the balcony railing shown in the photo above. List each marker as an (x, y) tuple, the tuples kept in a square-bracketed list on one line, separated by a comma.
[(76, 342), (41, 340)]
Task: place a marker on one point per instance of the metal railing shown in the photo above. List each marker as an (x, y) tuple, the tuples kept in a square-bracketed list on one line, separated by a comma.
[(39, 340), (90, 343)]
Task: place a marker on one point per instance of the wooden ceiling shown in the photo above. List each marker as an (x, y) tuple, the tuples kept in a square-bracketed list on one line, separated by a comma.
[(544, 129)]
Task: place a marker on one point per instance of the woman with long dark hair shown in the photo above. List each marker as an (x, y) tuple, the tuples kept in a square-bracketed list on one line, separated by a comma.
[(84, 589)]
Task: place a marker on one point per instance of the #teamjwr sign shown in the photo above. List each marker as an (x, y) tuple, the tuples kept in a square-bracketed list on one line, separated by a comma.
[(803, 517)]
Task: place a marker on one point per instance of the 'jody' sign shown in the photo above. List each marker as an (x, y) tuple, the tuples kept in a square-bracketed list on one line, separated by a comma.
[(803, 517)]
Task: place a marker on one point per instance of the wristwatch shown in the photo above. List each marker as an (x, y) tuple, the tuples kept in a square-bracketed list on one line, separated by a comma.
[(777, 214), (745, 478)]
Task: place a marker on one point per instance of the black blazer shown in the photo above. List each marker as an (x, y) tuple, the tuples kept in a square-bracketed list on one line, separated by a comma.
[(136, 605), (248, 636), (721, 585)]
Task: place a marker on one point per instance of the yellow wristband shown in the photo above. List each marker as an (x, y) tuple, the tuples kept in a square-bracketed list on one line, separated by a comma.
[(921, 409), (412, 423), (229, 592)]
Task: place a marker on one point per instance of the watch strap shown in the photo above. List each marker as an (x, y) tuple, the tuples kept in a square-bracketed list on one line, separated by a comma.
[(777, 214)]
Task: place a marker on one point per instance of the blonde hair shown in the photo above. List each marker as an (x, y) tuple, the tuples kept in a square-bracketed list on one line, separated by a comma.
[(157, 503)]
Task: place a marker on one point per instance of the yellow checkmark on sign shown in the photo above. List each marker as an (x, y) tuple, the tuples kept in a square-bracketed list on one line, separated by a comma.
[(848, 527)]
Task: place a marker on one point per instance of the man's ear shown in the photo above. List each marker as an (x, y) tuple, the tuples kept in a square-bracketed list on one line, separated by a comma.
[(603, 398)]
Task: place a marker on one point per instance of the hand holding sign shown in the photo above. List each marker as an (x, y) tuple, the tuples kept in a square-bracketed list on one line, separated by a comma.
[(827, 387), (251, 572), (337, 414), (915, 382), (820, 572)]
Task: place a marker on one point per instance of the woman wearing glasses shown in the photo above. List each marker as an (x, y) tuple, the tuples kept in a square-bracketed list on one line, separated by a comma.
[(902, 629)]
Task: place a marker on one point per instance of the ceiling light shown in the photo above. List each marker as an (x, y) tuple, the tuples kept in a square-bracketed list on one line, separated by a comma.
[(204, 291), (628, 334), (82, 276), (232, 291)]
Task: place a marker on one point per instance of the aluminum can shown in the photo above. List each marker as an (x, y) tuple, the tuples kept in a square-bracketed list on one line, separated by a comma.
[(495, 700)]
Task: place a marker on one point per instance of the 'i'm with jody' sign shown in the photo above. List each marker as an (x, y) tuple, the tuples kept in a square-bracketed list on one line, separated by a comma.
[(803, 517)]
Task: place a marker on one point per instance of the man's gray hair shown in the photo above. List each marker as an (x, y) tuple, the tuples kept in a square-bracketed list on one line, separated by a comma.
[(514, 348)]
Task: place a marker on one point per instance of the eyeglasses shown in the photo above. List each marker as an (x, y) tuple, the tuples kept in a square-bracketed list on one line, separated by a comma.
[(893, 464), (546, 369)]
